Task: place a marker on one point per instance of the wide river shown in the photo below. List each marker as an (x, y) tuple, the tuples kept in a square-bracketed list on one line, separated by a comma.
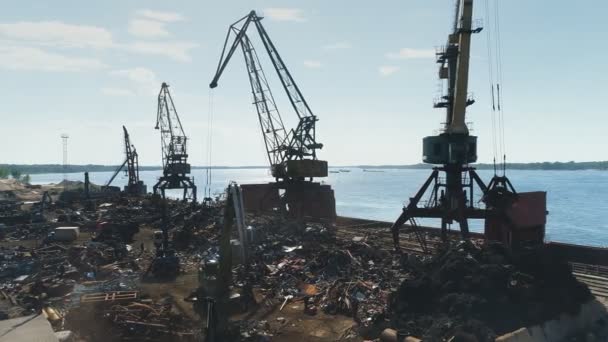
[(577, 200)]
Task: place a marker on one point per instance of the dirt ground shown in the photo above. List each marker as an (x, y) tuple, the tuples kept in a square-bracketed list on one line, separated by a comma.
[(291, 323), (295, 326)]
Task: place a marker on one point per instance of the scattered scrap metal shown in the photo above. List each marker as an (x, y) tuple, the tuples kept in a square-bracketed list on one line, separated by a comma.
[(89, 284), (92, 287)]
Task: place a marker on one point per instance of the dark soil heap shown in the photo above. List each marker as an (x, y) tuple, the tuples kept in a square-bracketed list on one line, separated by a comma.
[(483, 292)]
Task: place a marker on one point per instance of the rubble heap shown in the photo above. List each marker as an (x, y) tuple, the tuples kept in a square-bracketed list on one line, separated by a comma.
[(329, 275), (483, 291), (131, 320)]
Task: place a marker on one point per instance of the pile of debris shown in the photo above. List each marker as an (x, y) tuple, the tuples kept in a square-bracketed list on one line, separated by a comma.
[(122, 316), (44, 273), (309, 264), (95, 286), (32, 278), (483, 291)]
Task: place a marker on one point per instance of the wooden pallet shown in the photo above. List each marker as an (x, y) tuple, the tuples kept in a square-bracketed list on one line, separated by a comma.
[(118, 296)]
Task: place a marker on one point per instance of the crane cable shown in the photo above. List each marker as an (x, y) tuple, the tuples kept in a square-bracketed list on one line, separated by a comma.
[(491, 79), (208, 174), (496, 84), (501, 115)]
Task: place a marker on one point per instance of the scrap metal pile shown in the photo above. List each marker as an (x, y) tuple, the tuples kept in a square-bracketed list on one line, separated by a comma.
[(307, 263), (121, 316), (483, 291), (81, 285), (97, 288)]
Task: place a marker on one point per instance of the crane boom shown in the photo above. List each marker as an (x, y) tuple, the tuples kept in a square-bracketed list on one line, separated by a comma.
[(118, 169), (292, 155), (454, 67), (132, 161), (173, 138), (134, 185), (269, 117)]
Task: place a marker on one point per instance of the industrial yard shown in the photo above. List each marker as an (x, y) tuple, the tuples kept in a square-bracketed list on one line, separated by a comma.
[(299, 280), (274, 261)]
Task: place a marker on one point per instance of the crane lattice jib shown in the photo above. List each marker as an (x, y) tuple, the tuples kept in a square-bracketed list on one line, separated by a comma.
[(270, 119), (281, 146), (132, 170), (301, 141), (173, 138)]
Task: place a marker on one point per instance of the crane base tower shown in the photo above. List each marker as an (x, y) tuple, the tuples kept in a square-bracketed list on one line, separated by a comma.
[(297, 200), (176, 182)]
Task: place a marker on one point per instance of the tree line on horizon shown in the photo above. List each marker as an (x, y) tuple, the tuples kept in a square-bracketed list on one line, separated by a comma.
[(566, 166), (20, 171), (14, 173)]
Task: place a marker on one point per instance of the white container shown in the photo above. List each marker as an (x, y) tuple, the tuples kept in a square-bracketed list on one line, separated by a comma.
[(66, 233)]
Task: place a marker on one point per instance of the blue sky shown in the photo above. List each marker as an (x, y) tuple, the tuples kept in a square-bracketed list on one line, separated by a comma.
[(365, 67)]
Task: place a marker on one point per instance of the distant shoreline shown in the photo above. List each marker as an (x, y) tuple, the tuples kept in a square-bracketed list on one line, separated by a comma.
[(557, 166)]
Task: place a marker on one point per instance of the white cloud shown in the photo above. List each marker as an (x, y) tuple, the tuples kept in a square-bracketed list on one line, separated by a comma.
[(338, 46), (312, 64), (144, 28), (33, 58), (139, 74), (284, 14), (143, 80), (110, 91), (387, 70), (179, 51), (49, 45), (57, 33), (408, 53), (151, 24), (167, 17)]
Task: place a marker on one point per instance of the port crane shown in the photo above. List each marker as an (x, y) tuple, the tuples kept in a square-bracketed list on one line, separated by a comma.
[(292, 154), (134, 185), (176, 168), (450, 187)]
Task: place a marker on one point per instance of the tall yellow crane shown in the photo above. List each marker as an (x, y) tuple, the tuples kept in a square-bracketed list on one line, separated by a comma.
[(451, 197)]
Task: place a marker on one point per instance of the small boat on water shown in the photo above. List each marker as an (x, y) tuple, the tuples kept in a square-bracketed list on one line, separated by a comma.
[(367, 170), (334, 171), (344, 170)]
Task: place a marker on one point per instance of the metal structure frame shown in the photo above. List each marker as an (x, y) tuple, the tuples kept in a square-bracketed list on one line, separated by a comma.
[(281, 146), (134, 185), (176, 169), (452, 198), (132, 160)]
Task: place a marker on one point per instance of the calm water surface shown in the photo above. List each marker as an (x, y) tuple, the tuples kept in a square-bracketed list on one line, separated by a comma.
[(577, 200)]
